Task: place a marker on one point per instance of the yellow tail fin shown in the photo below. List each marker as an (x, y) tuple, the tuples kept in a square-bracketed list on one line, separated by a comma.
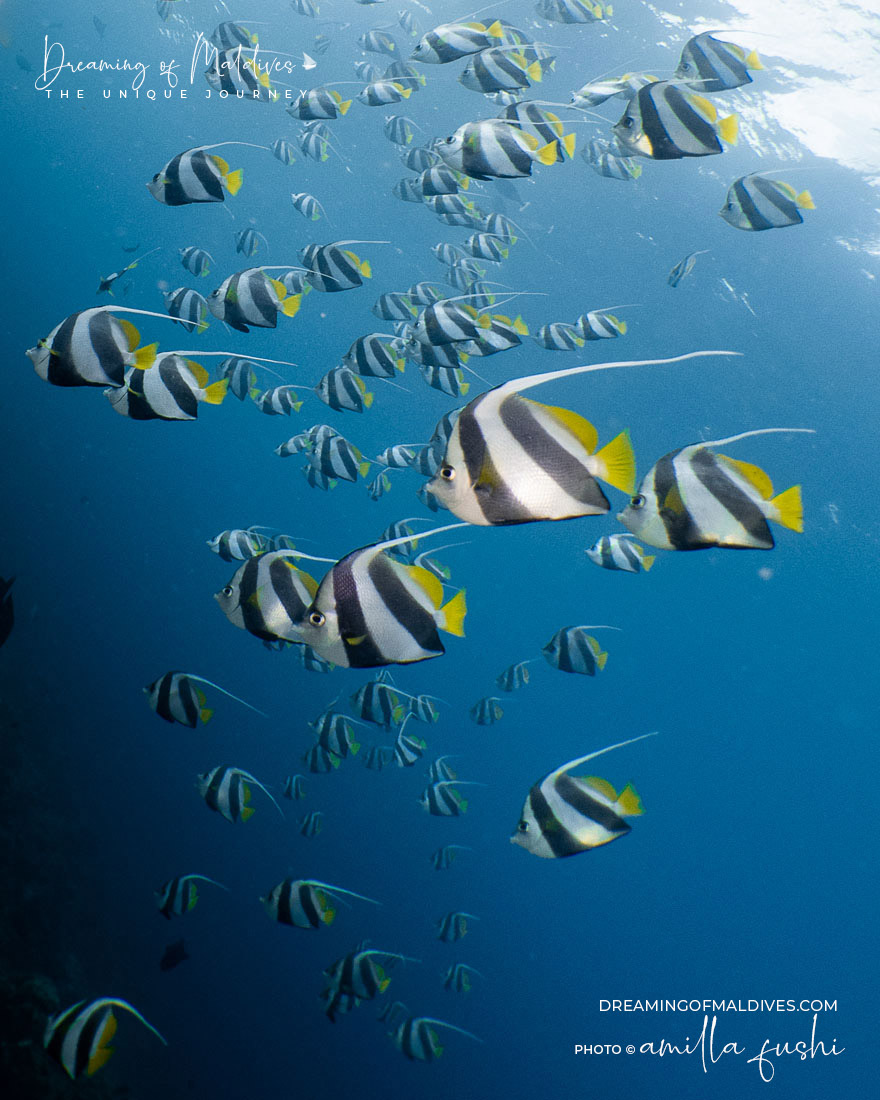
[(601, 660), (728, 128), (805, 201), (366, 270), (753, 61), (790, 508), (534, 72), (343, 107), (215, 393), (629, 804), (568, 144), (290, 306), (452, 615), (234, 181), (145, 357), (617, 463), (647, 561), (547, 153), (247, 813)]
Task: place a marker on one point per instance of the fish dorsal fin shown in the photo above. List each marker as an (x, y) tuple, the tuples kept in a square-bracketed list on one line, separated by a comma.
[(131, 333), (530, 140), (574, 424), (754, 475), (601, 785), (279, 288), (706, 106), (221, 164), (428, 583), (198, 372)]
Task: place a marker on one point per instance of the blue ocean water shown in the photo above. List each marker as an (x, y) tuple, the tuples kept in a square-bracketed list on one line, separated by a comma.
[(749, 877)]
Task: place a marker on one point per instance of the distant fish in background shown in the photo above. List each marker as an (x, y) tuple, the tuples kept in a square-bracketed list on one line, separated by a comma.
[(564, 815), (757, 203), (486, 712), (175, 698), (306, 903), (237, 545), (107, 281), (514, 677), (684, 267), (99, 26), (417, 1040), (574, 11), (226, 790), (453, 926), (618, 552), (294, 787), (7, 611), (79, 1037), (457, 978), (443, 858), (174, 955), (23, 63), (312, 823), (196, 260), (180, 894), (692, 499), (572, 649)]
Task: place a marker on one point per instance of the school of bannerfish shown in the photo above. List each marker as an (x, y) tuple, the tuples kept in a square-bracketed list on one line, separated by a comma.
[(500, 459)]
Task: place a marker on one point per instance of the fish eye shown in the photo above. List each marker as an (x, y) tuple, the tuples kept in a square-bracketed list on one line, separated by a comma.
[(626, 122), (637, 501), (523, 826), (227, 591), (316, 618), (447, 472)]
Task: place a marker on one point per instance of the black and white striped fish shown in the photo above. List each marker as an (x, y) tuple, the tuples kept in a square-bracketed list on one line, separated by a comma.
[(241, 375), (305, 902), (493, 149), (446, 321), (602, 158), (314, 147), (335, 732), (175, 698), (512, 460), (709, 65), (599, 324), (453, 926), (378, 757), (374, 356), (440, 770), (237, 545), (559, 336), (335, 457), (448, 380), (441, 799), (486, 712), (320, 761), (403, 73), (308, 206), (756, 203), (618, 552), (538, 120), (666, 121), (247, 241), (196, 260), (376, 702), (332, 268), (91, 348), (227, 791), (440, 180), (450, 41), (367, 71), (564, 814), (105, 285), (426, 293), (195, 175), (318, 103), (500, 69), (187, 307), (278, 401), (171, 389), (408, 190), (417, 1040), (398, 457), (381, 93), (408, 749), (418, 159), (311, 662), (442, 858), (371, 610), (572, 649), (514, 676), (377, 41), (693, 499), (683, 268), (251, 299), (399, 129), (457, 978), (621, 87), (79, 1037), (282, 150), (361, 975), (228, 35), (312, 823), (574, 11), (178, 895), (294, 788), (317, 479), (486, 246), (268, 596), (395, 307), (496, 333), (342, 389)]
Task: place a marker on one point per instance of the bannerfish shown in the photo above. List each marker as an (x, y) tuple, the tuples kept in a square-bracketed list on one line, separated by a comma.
[(175, 698), (665, 121), (417, 1040), (306, 903), (618, 552), (179, 895), (80, 1036), (226, 790), (757, 203)]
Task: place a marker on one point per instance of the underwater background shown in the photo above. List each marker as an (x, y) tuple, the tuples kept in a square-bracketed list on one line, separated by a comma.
[(752, 873)]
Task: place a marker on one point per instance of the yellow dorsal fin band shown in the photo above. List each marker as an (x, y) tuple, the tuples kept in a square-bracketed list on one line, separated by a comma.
[(602, 786), (198, 372), (221, 164), (279, 288), (574, 424), (131, 333), (754, 475), (428, 583), (790, 508), (706, 106), (615, 464)]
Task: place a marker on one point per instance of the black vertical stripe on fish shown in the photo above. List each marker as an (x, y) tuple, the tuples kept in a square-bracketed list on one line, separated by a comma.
[(352, 622), (86, 1039), (681, 530), (741, 506), (399, 601)]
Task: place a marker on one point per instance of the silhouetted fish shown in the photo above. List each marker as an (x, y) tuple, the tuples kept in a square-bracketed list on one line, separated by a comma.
[(174, 955)]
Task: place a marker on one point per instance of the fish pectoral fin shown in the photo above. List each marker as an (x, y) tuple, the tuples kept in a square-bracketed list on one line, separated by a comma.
[(354, 639), (673, 502), (629, 804)]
